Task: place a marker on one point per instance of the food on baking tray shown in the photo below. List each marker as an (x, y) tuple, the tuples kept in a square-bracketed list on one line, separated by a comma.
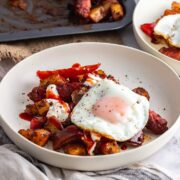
[(21, 4), (84, 111), (84, 11), (98, 10), (166, 30)]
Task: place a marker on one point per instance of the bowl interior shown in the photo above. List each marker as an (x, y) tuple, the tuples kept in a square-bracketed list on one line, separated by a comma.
[(132, 67)]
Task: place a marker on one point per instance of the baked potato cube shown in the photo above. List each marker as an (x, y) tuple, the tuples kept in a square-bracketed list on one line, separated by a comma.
[(176, 6), (75, 149), (31, 109), (40, 137), (97, 14), (28, 134), (53, 79), (107, 4), (109, 147), (169, 12), (42, 107), (117, 11)]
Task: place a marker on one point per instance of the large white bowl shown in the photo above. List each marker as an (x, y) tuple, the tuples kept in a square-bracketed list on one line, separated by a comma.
[(133, 68), (148, 11)]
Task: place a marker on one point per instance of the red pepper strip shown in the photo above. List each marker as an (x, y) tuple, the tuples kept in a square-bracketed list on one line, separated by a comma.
[(148, 29), (72, 72)]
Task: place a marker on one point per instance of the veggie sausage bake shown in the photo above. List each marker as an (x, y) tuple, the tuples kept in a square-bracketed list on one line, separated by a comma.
[(84, 111)]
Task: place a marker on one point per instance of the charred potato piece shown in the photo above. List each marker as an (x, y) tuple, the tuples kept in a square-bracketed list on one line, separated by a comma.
[(107, 147), (40, 137), (53, 79), (169, 12), (28, 134), (141, 91), (176, 6), (31, 109), (97, 14), (42, 107), (37, 93), (117, 11), (75, 149), (100, 12)]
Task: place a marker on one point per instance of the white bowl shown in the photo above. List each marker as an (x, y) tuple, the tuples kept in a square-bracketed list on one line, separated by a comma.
[(148, 11), (133, 67)]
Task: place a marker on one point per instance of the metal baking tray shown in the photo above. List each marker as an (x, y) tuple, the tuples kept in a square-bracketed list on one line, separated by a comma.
[(47, 18)]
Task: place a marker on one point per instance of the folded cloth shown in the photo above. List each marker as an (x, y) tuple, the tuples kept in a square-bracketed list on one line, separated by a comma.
[(16, 164)]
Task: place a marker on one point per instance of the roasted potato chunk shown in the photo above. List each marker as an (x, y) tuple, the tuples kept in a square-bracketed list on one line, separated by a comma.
[(38, 136), (53, 79), (37, 93), (176, 6), (75, 149), (42, 107), (31, 109), (28, 134), (107, 147), (117, 11), (100, 12), (141, 91), (97, 14)]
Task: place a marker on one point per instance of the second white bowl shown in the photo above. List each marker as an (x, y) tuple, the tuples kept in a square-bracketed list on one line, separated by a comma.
[(146, 12)]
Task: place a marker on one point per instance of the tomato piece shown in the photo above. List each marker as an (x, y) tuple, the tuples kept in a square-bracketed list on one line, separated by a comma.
[(37, 123), (26, 116), (72, 72), (148, 29)]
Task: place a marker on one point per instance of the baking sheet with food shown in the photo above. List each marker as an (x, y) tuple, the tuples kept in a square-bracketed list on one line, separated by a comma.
[(27, 19)]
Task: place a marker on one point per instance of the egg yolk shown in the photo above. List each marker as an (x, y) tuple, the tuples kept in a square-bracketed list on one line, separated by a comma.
[(111, 109)]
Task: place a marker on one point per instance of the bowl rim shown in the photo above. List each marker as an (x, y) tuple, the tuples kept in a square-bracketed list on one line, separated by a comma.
[(138, 30), (173, 127)]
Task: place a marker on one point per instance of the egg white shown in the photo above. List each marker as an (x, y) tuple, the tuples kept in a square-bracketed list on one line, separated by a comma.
[(169, 28), (134, 120)]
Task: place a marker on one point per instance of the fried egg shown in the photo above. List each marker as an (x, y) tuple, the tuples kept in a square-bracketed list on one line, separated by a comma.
[(111, 110), (169, 28)]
